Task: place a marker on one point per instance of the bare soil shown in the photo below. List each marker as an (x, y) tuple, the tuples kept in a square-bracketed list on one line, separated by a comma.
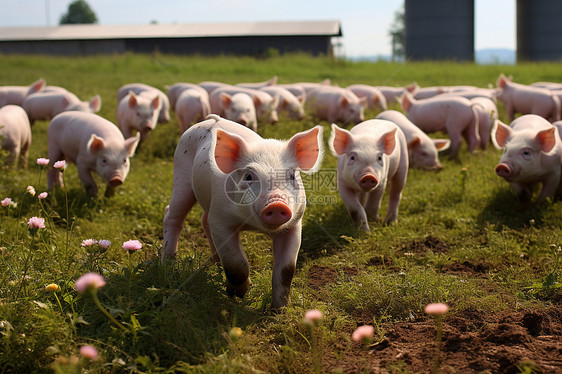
[(473, 341)]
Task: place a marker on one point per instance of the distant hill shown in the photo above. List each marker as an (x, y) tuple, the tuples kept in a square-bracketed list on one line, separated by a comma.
[(495, 56), (482, 57)]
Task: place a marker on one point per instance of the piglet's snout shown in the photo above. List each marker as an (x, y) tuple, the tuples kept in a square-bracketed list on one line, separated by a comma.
[(276, 212), (503, 170), (368, 182), (115, 181)]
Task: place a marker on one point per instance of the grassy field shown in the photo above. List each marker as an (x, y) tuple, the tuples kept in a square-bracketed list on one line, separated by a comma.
[(461, 239)]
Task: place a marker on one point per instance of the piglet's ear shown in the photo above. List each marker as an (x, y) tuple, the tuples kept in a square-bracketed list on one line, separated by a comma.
[(37, 86), (226, 100), (95, 103), (547, 139), (405, 101), (131, 144), (132, 99), (95, 144), (229, 148), (500, 133), (441, 144), (156, 102), (388, 141), (340, 139), (414, 142), (308, 148)]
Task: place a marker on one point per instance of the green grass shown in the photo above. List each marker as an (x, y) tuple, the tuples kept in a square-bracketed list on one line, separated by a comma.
[(178, 317)]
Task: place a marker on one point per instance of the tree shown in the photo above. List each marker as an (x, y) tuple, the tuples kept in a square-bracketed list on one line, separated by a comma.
[(78, 12), (398, 36)]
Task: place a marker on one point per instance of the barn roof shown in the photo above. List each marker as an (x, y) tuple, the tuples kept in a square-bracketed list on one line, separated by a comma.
[(95, 31)]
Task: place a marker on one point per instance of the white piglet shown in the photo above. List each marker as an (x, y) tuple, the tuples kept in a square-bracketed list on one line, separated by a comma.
[(15, 134), (532, 152), (238, 107), (46, 104), (14, 95), (148, 91), (336, 104), (93, 144), (191, 106), (370, 155), (243, 182), (422, 150), (457, 116), (138, 113)]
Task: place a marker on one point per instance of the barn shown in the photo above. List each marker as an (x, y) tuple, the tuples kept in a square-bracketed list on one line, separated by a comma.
[(251, 38)]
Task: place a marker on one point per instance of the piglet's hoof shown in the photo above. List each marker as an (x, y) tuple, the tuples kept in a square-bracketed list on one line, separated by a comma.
[(239, 290)]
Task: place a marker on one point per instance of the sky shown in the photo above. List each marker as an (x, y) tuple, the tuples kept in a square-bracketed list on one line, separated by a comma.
[(365, 23)]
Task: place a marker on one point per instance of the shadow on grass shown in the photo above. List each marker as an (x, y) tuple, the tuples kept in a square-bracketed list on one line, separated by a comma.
[(323, 230), (504, 209), (181, 311)]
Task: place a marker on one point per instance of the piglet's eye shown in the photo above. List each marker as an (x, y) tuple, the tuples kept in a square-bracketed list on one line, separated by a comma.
[(380, 157)]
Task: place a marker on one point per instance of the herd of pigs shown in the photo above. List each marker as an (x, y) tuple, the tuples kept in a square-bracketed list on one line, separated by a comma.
[(220, 160)]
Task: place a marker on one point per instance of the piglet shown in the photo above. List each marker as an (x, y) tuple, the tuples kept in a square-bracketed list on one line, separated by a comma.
[(191, 106), (336, 104), (147, 91), (374, 96), (93, 144), (243, 182), (454, 115), (487, 114), (138, 113), (265, 105), (14, 95), (288, 102), (532, 153), (370, 155), (46, 104), (422, 150), (176, 89), (520, 98), (238, 107), (15, 134)]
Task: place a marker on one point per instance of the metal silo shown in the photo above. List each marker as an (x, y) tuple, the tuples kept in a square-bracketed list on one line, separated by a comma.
[(439, 29), (539, 30)]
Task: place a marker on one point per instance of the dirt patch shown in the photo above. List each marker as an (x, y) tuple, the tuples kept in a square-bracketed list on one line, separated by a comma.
[(430, 243), (319, 276), (382, 262), (473, 342), (467, 269)]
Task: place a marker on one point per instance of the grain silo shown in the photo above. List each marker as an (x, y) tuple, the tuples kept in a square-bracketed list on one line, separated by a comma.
[(439, 29), (539, 30)]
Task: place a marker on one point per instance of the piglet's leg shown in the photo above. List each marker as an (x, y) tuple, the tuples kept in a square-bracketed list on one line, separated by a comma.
[(373, 201), (181, 202), (87, 180), (548, 188), (356, 211), (394, 197), (523, 192), (286, 245), (205, 224), (232, 257)]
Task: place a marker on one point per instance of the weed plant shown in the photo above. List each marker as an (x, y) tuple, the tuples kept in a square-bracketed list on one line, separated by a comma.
[(178, 317)]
